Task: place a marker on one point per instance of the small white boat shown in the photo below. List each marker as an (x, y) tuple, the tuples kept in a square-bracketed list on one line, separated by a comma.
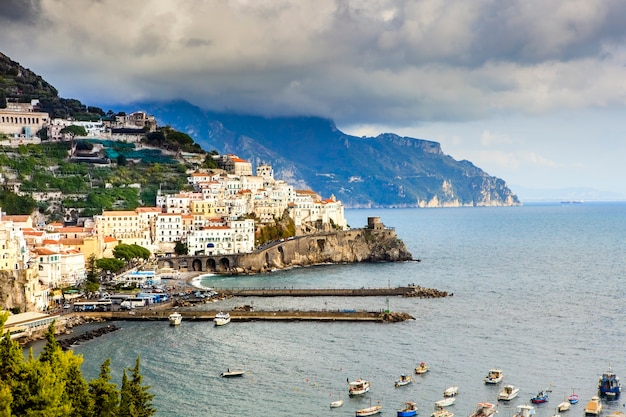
[(358, 387), (175, 318), (484, 410), (336, 404), (446, 402), (525, 410), (508, 393), (232, 373), (451, 392), (404, 380), (494, 376), (221, 318), (442, 412), (564, 406)]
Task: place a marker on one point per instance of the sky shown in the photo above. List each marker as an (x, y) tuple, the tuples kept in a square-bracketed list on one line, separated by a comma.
[(531, 91)]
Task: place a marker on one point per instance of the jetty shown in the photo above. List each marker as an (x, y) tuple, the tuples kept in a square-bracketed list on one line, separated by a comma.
[(240, 315), (407, 291)]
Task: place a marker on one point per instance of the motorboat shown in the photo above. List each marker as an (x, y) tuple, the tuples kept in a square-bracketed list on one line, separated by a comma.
[(422, 368), (451, 392), (609, 385), (494, 376), (484, 410), (442, 412), (594, 406), (409, 408), (336, 404), (525, 410), (541, 397), (404, 380), (369, 411), (508, 393), (572, 398), (446, 402), (358, 387), (221, 318), (175, 318), (232, 373)]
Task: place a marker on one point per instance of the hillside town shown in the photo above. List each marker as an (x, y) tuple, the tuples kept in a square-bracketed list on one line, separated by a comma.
[(220, 214)]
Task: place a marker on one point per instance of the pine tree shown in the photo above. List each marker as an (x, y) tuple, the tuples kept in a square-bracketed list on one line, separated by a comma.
[(104, 393), (136, 400)]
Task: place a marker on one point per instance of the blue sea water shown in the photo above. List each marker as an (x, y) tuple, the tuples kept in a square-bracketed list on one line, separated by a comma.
[(538, 292)]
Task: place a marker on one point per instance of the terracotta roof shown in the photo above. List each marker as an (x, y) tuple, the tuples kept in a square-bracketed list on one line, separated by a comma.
[(16, 218), (118, 213), (108, 239), (42, 251)]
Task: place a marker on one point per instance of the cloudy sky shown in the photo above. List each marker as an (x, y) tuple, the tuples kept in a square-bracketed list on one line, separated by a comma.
[(532, 91)]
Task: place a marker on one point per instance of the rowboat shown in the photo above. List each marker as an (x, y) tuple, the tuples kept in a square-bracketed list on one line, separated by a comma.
[(422, 368), (447, 401), (336, 404), (369, 411), (232, 373), (450, 391)]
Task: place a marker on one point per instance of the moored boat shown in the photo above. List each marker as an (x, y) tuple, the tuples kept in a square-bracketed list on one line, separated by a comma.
[(541, 397), (442, 412), (221, 318), (494, 376), (336, 403), (422, 368), (572, 398), (609, 385), (564, 406), (175, 318), (525, 410), (409, 408), (450, 391), (358, 387), (508, 393), (446, 402), (369, 411), (232, 373), (594, 406), (484, 410), (404, 380)]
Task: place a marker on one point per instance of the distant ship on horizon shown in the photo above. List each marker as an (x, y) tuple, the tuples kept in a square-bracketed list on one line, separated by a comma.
[(572, 202)]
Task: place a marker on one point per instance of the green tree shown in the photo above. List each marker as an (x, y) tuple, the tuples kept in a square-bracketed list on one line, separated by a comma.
[(181, 248), (74, 130), (136, 399), (130, 252), (92, 283), (104, 393), (110, 264)]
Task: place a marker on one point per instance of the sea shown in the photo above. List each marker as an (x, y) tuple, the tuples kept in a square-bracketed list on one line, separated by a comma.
[(536, 291)]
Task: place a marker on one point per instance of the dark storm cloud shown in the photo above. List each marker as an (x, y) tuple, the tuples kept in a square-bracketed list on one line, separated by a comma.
[(19, 11)]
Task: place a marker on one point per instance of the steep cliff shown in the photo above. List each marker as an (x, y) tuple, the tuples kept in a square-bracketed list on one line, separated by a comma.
[(13, 291)]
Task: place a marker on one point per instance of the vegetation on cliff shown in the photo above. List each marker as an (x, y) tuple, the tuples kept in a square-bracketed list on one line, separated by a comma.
[(53, 384)]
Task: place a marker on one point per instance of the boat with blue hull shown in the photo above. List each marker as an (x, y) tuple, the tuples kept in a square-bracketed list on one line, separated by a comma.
[(609, 385)]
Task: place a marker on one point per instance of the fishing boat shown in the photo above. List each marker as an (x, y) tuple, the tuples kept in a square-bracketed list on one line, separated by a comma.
[(232, 373), (594, 406), (525, 410), (446, 402), (572, 398), (404, 380), (442, 412), (451, 392), (221, 318), (175, 318), (494, 376), (369, 411), (358, 387), (409, 408), (541, 397), (422, 368), (508, 393), (609, 385), (484, 410)]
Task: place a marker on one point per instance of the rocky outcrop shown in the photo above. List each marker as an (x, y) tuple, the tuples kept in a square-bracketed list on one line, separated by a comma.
[(13, 291), (67, 344)]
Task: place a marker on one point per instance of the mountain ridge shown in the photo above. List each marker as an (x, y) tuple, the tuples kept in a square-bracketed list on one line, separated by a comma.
[(383, 171)]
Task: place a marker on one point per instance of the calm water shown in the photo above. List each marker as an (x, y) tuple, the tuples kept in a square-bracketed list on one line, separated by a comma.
[(537, 292)]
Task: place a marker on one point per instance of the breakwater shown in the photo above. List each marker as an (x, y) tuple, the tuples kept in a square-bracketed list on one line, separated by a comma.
[(408, 291)]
